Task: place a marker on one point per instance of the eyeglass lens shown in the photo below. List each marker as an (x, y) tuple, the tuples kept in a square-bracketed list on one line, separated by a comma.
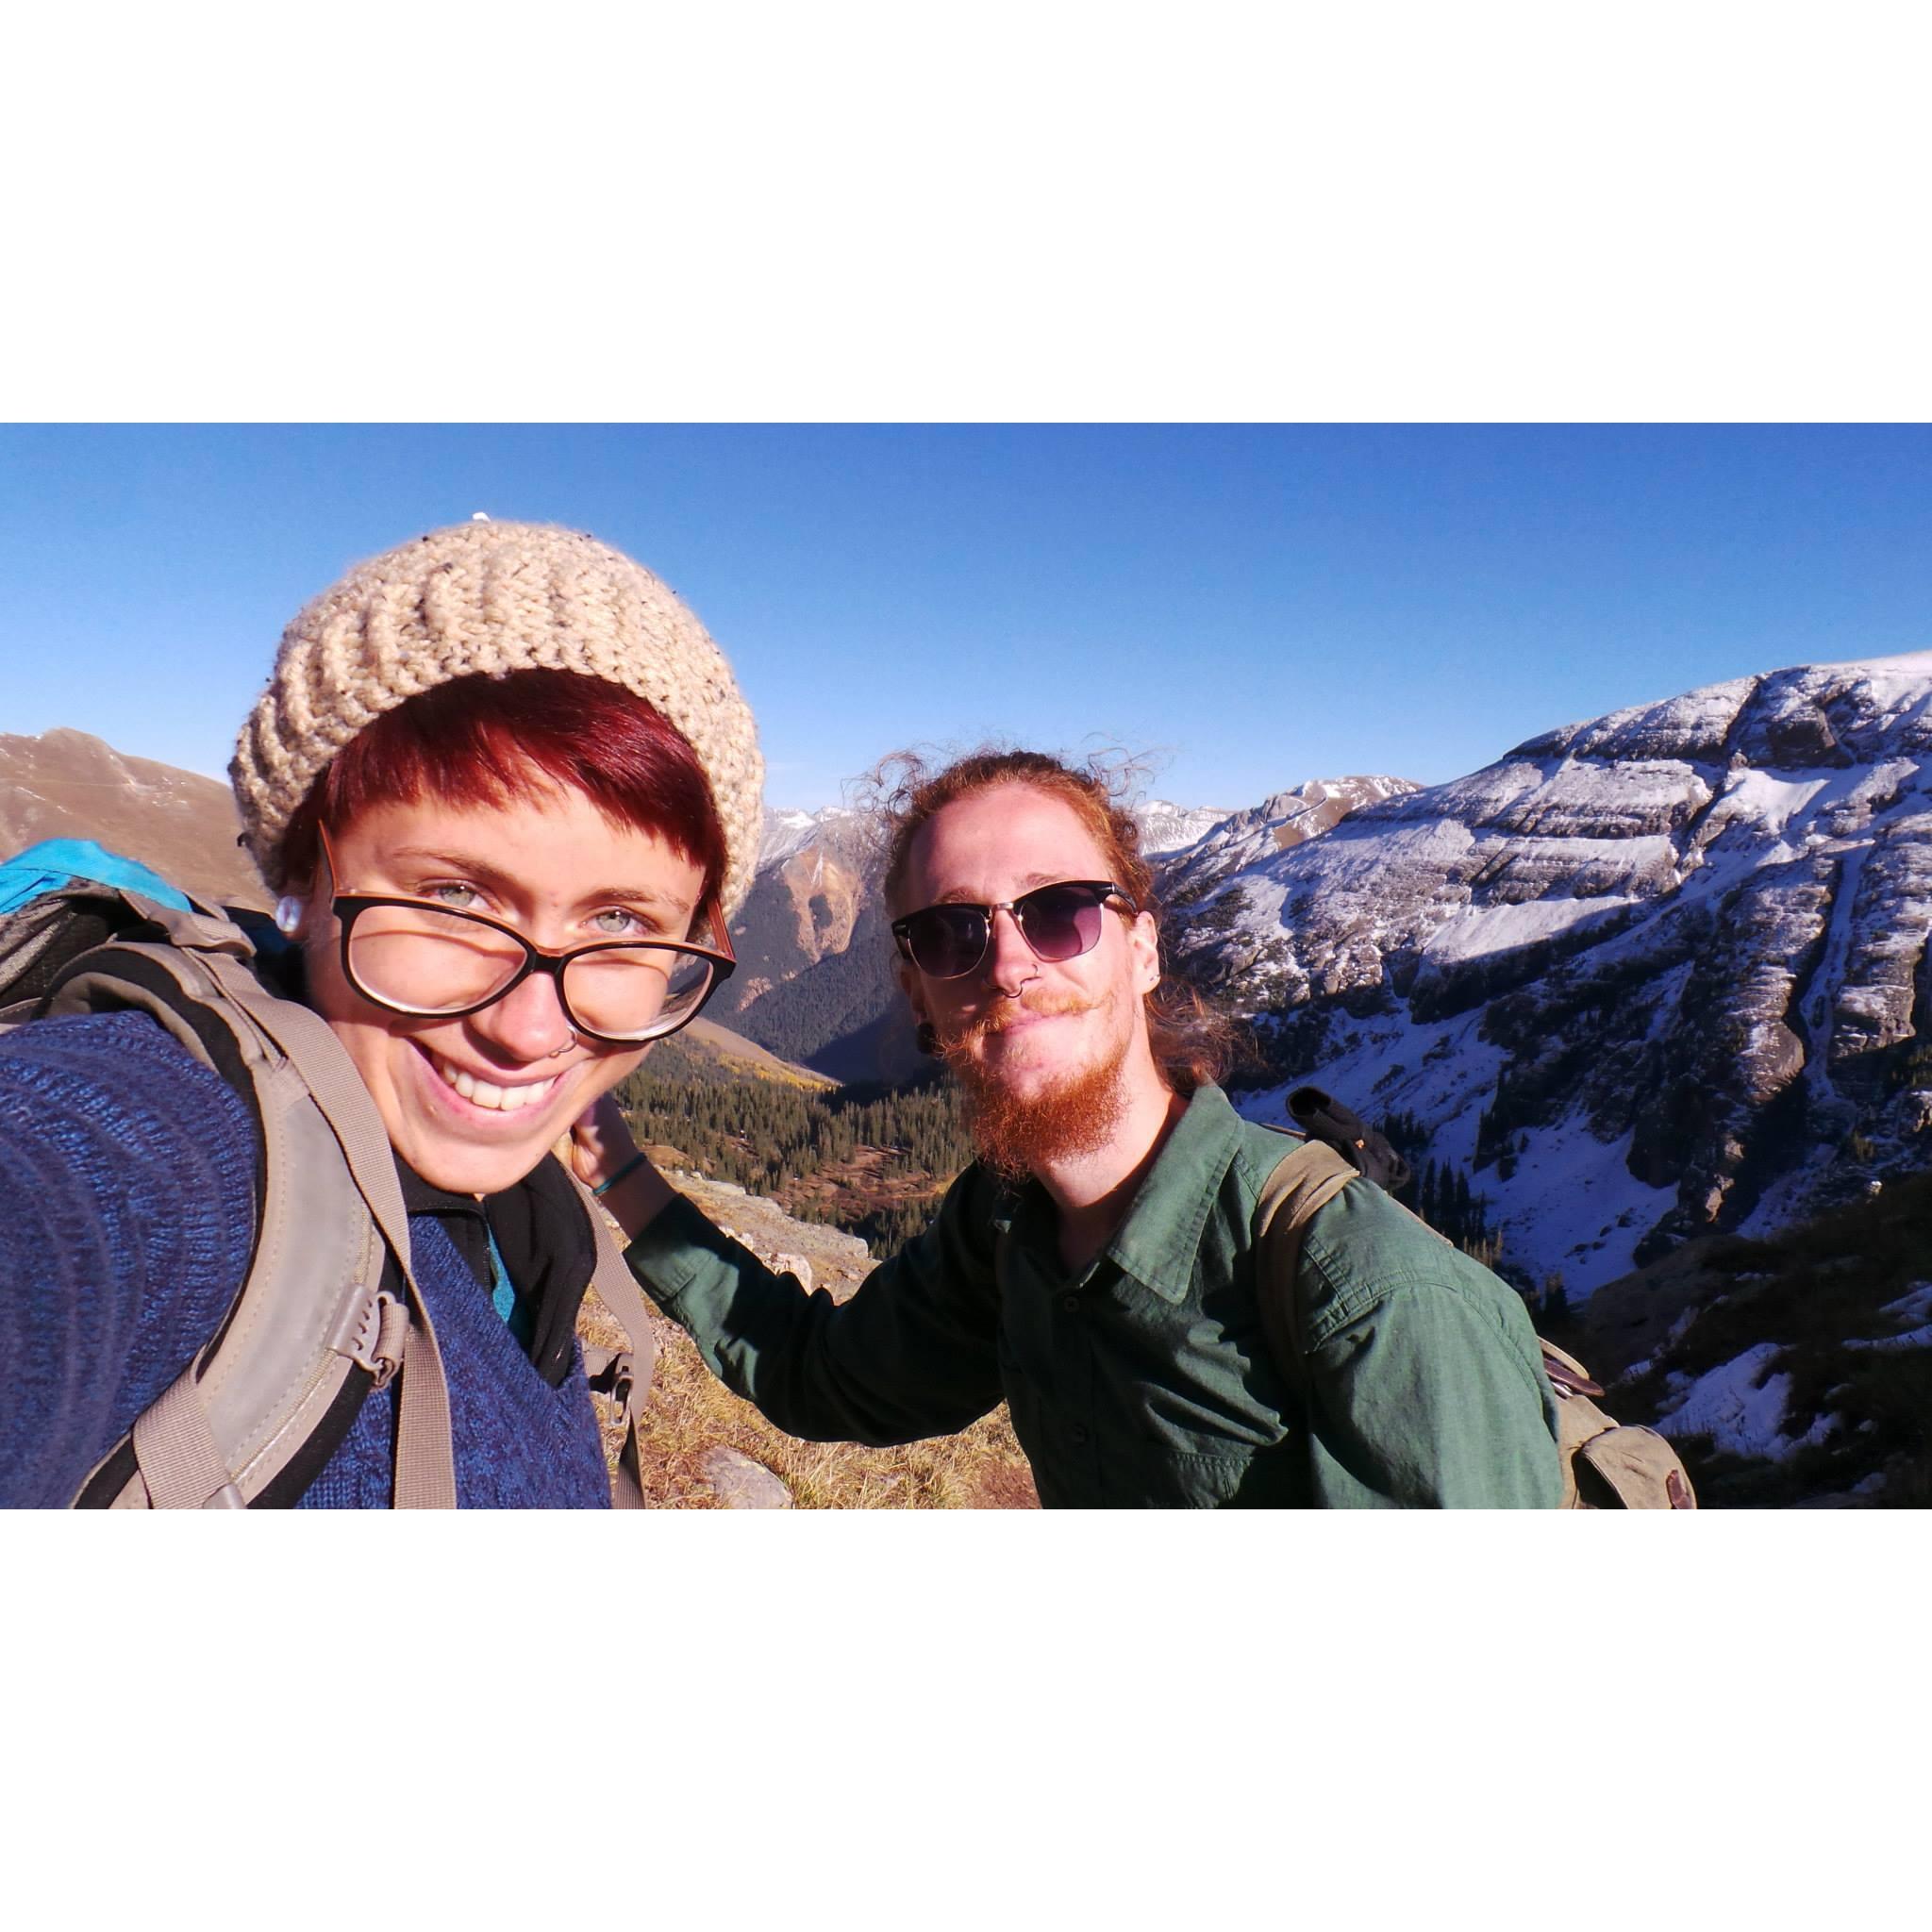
[(1059, 922), (425, 961)]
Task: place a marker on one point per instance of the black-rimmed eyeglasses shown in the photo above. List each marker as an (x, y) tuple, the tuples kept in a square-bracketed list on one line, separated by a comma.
[(432, 961), (1059, 921)]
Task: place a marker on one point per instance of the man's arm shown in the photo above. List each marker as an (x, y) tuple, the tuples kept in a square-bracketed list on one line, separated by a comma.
[(912, 1353), (1425, 1383)]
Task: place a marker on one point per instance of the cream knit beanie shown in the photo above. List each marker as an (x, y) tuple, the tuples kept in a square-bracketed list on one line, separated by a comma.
[(491, 597)]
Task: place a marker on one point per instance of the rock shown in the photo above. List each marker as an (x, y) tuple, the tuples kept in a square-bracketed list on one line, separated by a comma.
[(794, 1264), (740, 1483), (833, 1260)]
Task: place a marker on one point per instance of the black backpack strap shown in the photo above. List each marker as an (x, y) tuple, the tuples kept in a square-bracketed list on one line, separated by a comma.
[(1323, 1117)]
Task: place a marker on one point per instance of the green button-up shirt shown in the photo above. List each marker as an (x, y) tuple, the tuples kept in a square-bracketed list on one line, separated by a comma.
[(1145, 1378)]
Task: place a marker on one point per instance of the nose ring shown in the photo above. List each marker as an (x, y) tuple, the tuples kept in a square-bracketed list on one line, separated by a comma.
[(561, 1051)]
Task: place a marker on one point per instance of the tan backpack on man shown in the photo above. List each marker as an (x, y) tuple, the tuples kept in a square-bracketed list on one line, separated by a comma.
[(1607, 1464)]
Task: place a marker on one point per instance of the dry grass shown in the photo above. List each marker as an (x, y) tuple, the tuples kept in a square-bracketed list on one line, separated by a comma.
[(690, 1411)]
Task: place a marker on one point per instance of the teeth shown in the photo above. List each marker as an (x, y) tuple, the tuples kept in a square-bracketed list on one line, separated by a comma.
[(487, 1093)]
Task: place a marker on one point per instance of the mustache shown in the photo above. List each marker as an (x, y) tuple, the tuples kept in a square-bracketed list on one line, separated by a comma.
[(1009, 1012)]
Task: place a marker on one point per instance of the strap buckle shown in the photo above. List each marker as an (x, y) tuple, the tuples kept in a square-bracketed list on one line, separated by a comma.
[(374, 1341), (615, 1377)]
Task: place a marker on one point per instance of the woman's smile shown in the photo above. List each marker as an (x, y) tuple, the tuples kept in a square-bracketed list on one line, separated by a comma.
[(472, 1102)]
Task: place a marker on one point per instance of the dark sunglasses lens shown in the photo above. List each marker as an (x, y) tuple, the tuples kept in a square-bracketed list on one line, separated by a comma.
[(1060, 922), (946, 940)]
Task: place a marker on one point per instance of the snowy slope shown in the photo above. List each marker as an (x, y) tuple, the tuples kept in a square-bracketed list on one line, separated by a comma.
[(788, 832), (1166, 827), (1288, 818)]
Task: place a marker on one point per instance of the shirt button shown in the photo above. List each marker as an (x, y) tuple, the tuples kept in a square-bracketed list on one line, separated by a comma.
[(1071, 1303), (1079, 1432)]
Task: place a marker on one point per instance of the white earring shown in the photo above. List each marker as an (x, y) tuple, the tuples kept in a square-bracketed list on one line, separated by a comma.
[(288, 912)]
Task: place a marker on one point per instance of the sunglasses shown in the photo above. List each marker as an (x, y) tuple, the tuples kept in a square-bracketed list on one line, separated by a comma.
[(1059, 921)]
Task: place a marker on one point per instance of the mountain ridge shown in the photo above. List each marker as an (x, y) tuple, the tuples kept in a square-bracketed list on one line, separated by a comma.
[(69, 784), (1672, 959)]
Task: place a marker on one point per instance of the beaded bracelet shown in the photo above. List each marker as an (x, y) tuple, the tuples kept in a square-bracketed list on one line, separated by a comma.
[(624, 1173)]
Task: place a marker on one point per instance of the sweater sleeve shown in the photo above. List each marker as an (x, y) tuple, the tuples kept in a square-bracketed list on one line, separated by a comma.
[(912, 1353), (126, 1221)]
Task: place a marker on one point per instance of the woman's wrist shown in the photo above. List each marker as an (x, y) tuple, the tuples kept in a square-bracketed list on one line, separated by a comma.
[(611, 1165), (634, 1194), (623, 1173)]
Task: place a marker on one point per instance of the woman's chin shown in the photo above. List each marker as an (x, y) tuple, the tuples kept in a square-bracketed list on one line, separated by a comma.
[(459, 1168)]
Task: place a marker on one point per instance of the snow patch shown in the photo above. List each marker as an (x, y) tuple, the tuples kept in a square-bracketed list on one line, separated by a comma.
[(1572, 1206), (1475, 934), (1741, 1406), (1915, 1304), (1769, 801)]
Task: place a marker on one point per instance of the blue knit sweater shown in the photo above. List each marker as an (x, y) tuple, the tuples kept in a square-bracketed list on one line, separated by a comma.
[(127, 1221)]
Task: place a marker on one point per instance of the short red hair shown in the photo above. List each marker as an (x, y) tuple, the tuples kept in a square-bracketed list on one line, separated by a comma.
[(487, 741)]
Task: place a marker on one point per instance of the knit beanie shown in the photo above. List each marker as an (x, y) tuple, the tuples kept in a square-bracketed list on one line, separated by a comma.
[(491, 597)]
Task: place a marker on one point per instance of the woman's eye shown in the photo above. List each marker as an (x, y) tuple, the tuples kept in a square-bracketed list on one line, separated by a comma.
[(459, 898), (616, 923)]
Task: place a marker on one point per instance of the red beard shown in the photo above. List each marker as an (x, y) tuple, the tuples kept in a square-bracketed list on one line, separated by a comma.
[(1017, 1136)]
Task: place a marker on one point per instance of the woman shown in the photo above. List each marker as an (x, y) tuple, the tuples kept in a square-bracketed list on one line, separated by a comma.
[(509, 794)]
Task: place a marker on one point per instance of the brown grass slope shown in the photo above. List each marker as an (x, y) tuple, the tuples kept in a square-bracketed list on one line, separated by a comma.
[(690, 1411), (67, 785)]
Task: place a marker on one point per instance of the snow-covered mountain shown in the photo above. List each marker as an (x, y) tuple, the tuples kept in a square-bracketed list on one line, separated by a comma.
[(788, 832), (1649, 975), (1166, 827), (1239, 838)]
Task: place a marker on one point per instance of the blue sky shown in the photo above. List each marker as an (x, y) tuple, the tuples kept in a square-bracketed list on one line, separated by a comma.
[(1249, 607)]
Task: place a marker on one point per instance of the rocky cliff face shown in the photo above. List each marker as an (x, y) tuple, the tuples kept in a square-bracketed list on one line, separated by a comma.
[(809, 890), (1166, 827), (1649, 975)]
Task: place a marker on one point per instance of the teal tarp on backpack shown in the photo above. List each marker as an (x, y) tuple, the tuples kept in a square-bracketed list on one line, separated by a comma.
[(57, 862)]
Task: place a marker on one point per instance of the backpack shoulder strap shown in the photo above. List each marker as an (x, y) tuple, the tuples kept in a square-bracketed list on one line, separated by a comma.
[(624, 1375), (1605, 1463), (1301, 1184), (426, 1453), (313, 1309)]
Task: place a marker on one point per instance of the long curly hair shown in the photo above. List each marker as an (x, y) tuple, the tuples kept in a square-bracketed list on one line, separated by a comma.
[(1191, 1044)]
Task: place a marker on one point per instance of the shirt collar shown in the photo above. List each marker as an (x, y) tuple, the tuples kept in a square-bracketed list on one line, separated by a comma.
[(1158, 1241)]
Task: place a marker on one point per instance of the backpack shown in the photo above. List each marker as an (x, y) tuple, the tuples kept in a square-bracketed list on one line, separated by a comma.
[(1607, 1464), (329, 1311)]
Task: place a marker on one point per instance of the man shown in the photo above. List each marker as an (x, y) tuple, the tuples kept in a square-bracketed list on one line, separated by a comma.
[(1095, 1266)]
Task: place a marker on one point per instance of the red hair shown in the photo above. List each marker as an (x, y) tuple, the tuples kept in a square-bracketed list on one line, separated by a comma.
[(1191, 1042), (489, 740)]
